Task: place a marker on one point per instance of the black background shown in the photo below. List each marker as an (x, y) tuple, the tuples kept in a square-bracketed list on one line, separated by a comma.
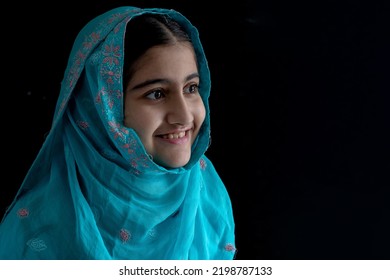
[(299, 108)]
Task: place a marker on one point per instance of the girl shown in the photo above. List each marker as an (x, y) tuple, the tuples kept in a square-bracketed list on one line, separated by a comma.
[(123, 172)]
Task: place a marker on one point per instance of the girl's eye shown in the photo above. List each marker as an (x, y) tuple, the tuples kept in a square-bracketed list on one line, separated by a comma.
[(194, 88), (156, 94)]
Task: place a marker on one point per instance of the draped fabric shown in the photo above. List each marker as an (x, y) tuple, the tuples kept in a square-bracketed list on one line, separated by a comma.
[(93, 192)]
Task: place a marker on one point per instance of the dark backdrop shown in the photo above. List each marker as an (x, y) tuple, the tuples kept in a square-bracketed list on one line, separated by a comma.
[(299, 107)]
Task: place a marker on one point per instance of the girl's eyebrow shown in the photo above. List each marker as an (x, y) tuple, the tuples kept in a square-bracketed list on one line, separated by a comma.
[(149, 82), (162, 81), (191, 76)]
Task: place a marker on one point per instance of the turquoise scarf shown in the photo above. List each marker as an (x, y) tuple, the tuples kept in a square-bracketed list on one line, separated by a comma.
[(93, 192)]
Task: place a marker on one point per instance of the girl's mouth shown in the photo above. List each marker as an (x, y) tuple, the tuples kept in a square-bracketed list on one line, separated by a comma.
[(179, 135)]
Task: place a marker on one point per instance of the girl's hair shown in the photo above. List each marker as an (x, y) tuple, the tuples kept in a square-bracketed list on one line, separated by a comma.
[(146, 31)]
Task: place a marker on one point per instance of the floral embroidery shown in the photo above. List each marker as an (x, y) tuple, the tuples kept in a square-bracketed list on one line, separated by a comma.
[(83, 124), (91, 40), (203, 164), (119, 132), (133, 164), (37, 244), (124, 235), (23, 213), (230, 247), (107, 97), (152, 233), (128, 148), (112, 54)]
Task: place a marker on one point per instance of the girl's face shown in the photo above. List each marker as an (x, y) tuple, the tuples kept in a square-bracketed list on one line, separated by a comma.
[(163, 105)]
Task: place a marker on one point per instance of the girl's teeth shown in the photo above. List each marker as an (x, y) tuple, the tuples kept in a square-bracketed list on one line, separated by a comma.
[(174, 136)]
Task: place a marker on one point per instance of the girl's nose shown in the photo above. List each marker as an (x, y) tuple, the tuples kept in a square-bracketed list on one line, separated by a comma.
[(179, 111)]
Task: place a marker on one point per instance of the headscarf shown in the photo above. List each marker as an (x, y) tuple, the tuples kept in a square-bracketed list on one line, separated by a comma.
[(93, 192)]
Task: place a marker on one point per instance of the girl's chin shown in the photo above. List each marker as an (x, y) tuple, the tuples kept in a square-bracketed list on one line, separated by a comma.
[(171, 163)]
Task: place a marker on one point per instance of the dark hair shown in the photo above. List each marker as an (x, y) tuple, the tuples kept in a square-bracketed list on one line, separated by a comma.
[(146, 31)]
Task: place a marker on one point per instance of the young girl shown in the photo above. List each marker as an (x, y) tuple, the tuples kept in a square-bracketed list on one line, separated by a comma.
[(122, 173)]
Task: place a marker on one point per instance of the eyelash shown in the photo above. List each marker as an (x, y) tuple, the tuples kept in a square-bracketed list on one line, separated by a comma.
[(161, 91)]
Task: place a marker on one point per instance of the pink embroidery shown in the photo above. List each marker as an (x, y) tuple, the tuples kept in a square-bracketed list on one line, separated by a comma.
[(23, 213), (202, 164), (98, 98), (230, 247), (95, 37), (136, 171), (82, 124), (117, 130), (119, 94), (91, 40), (111, 53), (129, 149), (124, 235), (134, 164)]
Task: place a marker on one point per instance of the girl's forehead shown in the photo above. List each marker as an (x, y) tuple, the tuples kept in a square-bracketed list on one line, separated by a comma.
[(169, 61)]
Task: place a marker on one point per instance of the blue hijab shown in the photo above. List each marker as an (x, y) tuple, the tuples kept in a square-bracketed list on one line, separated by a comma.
[(94, 193)]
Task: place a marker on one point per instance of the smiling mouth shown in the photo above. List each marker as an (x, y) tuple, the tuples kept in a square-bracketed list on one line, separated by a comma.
[(174, 135)]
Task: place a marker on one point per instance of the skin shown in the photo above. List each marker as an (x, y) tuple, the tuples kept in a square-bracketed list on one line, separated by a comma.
[(163, 104)]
